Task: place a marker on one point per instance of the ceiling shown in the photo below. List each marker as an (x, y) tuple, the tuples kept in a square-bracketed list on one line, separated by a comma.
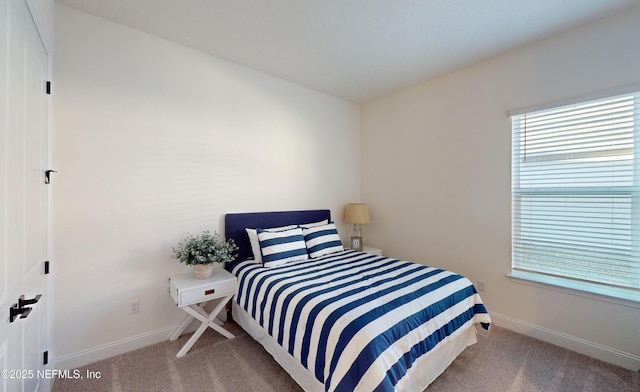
[(357, 50)]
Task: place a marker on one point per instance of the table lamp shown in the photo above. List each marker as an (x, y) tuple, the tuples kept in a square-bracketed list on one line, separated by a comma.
[(358, 214)]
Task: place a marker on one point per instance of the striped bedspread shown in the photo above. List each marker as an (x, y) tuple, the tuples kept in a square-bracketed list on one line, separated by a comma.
[(355, 320)]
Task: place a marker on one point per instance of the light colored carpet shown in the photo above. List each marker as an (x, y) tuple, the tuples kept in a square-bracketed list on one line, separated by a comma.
[(501, 361)]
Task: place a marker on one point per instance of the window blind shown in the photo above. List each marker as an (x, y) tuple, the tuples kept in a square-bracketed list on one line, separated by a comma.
[(575, 191)]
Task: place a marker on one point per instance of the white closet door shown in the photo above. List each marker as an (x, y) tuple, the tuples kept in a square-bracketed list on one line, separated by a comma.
[(24, 197)]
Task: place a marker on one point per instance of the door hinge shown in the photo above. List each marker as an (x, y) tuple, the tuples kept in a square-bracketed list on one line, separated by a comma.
[(48, 87), (46, 267), (45, 358), (47, 176)]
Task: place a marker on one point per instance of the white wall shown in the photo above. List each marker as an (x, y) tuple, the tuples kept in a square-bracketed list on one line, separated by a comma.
[(153, 140), (436, 173)]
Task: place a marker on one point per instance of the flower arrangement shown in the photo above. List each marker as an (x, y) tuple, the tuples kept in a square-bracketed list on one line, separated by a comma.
[(205, 249)]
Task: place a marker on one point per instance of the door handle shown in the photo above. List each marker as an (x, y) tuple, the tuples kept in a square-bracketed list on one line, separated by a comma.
[(24, 302), (21, 309), (16, 311)]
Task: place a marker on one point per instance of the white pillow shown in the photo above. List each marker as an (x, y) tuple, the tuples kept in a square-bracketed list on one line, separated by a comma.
[(281, 247), (255, 245)]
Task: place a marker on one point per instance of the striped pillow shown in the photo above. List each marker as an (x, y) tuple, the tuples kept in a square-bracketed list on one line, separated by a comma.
[(313, 224), (322, 240), (255, 244), (281, 247)]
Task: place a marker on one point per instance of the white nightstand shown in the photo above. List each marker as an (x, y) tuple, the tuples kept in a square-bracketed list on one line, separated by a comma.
[(191, 294), (374, 251)]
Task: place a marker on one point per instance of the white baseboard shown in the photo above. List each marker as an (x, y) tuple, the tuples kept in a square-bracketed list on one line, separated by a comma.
[(98, 353), (594, 350)]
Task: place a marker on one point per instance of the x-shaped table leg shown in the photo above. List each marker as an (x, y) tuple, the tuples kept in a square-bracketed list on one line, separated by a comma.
[(207, 320)]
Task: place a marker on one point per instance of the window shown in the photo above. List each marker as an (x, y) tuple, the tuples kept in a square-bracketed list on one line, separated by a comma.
[(575, 192)]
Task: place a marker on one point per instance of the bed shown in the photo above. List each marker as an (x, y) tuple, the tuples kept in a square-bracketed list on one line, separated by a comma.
[(344, 320)]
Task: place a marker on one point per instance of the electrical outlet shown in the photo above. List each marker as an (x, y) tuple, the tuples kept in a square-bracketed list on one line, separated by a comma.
[(134, 306), (482, 286)]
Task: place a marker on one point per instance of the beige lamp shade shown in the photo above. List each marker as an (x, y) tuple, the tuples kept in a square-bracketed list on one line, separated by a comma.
[(357, 213)]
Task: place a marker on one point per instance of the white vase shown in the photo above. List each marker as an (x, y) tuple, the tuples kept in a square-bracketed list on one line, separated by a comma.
[(203, 271)]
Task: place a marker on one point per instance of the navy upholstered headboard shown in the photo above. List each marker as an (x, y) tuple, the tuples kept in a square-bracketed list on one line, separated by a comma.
[(235, 224)]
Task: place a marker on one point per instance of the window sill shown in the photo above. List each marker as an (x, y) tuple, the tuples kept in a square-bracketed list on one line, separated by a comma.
[(619, 296)]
